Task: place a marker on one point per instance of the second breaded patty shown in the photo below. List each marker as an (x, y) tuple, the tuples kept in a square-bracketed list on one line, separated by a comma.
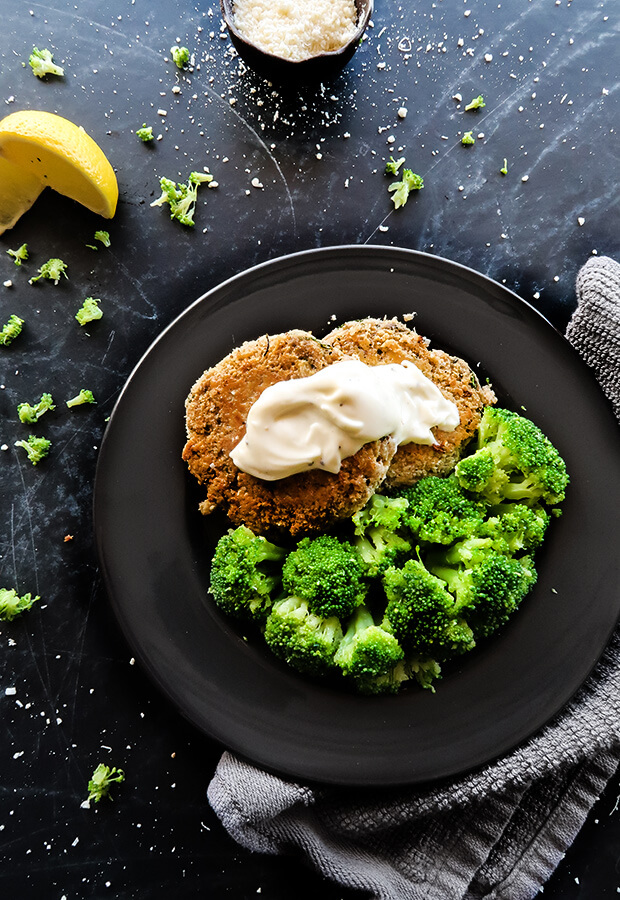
[(383, 341), (216, 412)]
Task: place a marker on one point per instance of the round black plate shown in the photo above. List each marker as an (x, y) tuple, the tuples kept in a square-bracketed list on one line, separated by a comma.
[(155, 547)]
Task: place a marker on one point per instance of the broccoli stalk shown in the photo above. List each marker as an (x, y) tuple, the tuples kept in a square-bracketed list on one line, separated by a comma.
[(42, 63), (11, 330), (12, 605), (245, 573), (31, 414), (476, 103), (36, 448), (513, 460), (85, 396)]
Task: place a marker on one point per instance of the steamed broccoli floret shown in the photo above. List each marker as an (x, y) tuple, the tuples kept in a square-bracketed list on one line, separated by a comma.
[(440, 511), (85, 396), (517, 527), (513, 460), (245, 573), (376, 532), (489, 592), (11, 330), (393, 165), (30, 414), (104, 237), (180, 56), (181, 198), (51, 270), (424, 671), (36, 448), (304, 640), (89, 311), (476, 103), (12, 605), (367, 650), (401, 189), (19, 255), (42, 63), (468, 138), (326, 572), (421, 613)]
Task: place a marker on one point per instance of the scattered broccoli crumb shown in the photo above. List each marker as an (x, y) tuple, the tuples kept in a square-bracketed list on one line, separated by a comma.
[(41, 62), (476, 103), (85, 396), (504, 169), (180, 56), (31, 414), (12, 605), (468, 138), (145, 133), (182, 197), (36, 448), (401, 189), (393, 165), (89, 311), (20, 254), (11, 330), (101, 780), (51, 270), (104, 237)]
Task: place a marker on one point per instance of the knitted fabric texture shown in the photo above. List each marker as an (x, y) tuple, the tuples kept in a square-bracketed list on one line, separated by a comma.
[(497, 833)]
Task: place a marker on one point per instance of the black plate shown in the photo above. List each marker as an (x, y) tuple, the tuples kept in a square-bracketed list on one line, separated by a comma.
[(155, 547)]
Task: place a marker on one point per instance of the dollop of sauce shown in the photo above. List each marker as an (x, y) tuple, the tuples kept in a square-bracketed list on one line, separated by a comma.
[(317, 421)]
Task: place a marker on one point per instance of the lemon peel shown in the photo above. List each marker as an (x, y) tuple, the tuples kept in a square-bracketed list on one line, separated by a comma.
[(40, 149)]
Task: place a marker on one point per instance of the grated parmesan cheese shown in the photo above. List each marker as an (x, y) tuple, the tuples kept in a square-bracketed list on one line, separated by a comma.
[(296, 29)]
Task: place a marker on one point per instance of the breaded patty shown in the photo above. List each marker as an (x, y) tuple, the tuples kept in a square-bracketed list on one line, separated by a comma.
[(382, 341), (216, 412)]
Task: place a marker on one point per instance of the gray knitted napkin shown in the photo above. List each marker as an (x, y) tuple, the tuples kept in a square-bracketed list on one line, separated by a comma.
[(496, 833)]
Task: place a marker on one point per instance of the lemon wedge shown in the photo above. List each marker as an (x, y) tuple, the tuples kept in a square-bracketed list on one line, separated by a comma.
[(41, 149)]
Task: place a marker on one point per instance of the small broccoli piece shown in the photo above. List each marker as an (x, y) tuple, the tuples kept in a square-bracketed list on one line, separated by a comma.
[(12, 605), (31, 414), (85, 396), (468, 139), (36, 448), (42, 63), (326, 572), (401, 189), (513, 460), (488, 593), (393, 165), (367, 650), (414, 668), (304, 640), (51, 270), (145, 133), (441, 512), (101, 780), (420, 612), (504, 168), (245, 573), (517, 527), (11, 330), (180, 56), (181, 198), (104, 237), (89, 311), (19, 255), (376, 533), (476, 103)]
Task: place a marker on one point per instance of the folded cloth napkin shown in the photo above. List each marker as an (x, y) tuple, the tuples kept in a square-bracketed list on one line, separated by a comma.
[(495, 833)]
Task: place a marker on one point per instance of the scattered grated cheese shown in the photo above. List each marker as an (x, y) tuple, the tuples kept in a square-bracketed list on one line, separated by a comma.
[(296, 31)]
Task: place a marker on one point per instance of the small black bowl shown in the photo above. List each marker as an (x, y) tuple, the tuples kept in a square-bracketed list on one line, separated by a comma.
[(319, 67)]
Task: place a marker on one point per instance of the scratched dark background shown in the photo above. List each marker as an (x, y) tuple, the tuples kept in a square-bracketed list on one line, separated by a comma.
[(70, 696)]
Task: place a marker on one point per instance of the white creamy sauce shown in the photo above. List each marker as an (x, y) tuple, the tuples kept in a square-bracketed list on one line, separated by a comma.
[(316, 422)]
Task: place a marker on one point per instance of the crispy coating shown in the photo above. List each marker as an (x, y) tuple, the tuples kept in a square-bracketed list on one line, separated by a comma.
[(383, 341), (216, 411)]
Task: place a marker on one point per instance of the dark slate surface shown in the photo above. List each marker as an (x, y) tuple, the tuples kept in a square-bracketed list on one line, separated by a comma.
[(551, 92)]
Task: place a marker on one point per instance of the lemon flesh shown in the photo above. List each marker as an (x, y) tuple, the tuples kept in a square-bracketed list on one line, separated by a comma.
[(61, 155), (18, 191)]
